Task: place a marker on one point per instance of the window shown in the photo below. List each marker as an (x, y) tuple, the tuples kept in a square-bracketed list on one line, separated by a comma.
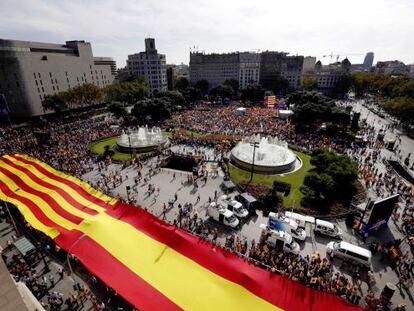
[(50, 74), (43, 89), (53, 88)]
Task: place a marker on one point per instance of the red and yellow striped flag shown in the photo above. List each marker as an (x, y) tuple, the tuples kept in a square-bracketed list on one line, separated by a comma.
[(153, 265)]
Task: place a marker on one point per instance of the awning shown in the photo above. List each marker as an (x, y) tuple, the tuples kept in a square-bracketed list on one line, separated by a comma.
[(24, 246)]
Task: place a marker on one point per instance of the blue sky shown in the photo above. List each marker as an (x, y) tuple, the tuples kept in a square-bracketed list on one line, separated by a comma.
[(117, 28)]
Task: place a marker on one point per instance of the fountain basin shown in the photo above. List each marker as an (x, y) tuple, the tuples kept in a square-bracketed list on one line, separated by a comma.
[(142, 140), (272, 156)]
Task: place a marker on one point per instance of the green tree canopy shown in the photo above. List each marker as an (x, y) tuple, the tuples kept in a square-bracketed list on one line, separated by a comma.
[(117, 108), (181, 83), (333, 176), (313, 107), (129, 91), (253, 93), (309, 84), (202, 85), (233, 83)]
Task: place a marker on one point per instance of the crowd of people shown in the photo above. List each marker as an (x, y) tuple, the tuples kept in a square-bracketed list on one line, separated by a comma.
[(65, 145)]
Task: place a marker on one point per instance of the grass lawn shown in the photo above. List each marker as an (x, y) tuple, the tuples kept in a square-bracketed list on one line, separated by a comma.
[(294, 179)]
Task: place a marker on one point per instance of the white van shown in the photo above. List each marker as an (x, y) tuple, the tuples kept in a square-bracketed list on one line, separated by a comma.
[(290, 226), (301, 220), (279, 239), (222, 215), (327, 228), (349, 251)]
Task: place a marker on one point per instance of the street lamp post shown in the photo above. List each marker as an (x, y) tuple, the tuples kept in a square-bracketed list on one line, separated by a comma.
[(255, 145), (129, 141), (68, 253)]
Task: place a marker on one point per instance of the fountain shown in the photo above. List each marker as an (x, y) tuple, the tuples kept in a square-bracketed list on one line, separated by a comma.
[(141, 140), (272, 156)]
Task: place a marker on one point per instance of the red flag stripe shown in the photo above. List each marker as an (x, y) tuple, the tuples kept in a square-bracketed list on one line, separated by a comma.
[(68, 198), (46, 197), (80, 190), (37, 212)]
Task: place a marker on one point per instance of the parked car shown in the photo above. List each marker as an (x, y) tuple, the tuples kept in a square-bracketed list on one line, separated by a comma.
[(348, 251), (222, 215), (327, 228)]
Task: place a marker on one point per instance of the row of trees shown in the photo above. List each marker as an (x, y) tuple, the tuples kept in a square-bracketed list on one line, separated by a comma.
[(396, 94)]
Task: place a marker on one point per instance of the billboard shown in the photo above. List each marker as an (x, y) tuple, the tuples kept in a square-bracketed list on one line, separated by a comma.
[(377, 213)]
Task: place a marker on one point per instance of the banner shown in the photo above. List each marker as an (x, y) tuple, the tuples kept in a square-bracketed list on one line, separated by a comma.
[(152, 264)]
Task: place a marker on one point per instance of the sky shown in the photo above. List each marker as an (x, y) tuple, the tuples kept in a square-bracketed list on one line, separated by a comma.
[(116, 28)]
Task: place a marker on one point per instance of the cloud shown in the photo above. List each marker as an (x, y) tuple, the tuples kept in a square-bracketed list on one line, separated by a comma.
[(118, 27)]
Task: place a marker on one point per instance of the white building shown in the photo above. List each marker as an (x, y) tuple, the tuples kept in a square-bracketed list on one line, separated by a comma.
[(31, 70), (249, 70), (151, 65)]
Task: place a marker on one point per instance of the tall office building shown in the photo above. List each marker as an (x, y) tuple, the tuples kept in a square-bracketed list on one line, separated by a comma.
[(215, 68), (368, 60), (328, 76), (279, 64), (151, 65), (249, 71), (31, 70)]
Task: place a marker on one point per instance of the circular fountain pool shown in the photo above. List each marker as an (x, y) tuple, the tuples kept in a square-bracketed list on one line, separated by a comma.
[(143, 139), (271, 155)]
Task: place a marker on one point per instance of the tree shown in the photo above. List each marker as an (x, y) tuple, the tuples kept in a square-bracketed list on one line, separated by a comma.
[(175, 97), (252, 93), (84, 95), (129, 91), (118, 109), (333, 176), (191, 94), (279, 85), (309, 84), (181, 84), (54, 102), (313, 108), (233, 83), (224, 91), (154, 109), (202, 86)]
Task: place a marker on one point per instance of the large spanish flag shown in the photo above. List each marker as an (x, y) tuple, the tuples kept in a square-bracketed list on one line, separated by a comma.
[(153, 265)]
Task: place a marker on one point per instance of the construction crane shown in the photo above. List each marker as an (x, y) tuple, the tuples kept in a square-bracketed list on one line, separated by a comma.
[(339, 55)]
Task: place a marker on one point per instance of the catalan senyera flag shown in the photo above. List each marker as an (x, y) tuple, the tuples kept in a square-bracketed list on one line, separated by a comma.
[(152, 264), (270, 101)]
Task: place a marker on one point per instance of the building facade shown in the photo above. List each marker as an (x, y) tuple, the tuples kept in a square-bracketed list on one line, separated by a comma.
[(215, 68), (31, 70), (279, 64), (249, 70), (151, 65), (328, 76), (392, 68)]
